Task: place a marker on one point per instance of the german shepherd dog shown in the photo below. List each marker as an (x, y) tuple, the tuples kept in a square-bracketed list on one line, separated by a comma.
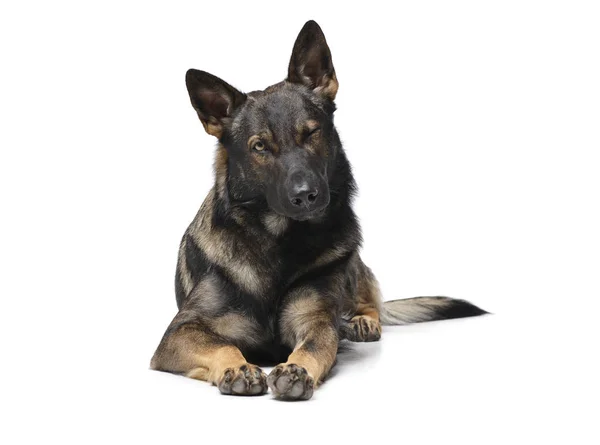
[(269, 269)]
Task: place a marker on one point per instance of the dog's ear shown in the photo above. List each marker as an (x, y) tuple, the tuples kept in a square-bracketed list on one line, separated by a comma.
[(213, 99), (311, 62)]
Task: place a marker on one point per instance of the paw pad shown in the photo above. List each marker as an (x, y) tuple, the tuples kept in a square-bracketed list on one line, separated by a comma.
[(291, 382), (247, 380)]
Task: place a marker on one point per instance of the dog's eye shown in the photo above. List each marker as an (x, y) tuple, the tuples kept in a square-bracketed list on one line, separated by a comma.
[(258, 146), (314, 131)]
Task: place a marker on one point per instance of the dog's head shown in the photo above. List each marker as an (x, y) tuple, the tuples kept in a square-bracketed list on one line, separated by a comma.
[(278, 144)]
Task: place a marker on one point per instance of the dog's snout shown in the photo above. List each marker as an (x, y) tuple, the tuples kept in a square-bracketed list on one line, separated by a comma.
[(306, 194), (303, 195)]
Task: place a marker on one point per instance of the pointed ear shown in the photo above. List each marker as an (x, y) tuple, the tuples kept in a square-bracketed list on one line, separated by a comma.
[(213, 99), (311, 63)]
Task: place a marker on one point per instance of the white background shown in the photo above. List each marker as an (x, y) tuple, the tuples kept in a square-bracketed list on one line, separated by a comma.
[(473, 129)]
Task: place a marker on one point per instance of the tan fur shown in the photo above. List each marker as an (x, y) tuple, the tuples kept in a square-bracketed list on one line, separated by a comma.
[(331, 255), (212, 127), (236, 327), (329, 87), (220, 166), (368, 297), (300, 314), (186, 279), (193, 352), (206, 292), (276, 224), (368, 294), (217, 246), (318, 361), (413, 310), (306, 324), (311, 124)]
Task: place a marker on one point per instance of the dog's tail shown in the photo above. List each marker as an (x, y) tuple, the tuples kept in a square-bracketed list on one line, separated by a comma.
[(419, 309)]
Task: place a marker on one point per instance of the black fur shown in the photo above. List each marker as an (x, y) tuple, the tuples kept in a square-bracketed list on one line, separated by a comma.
[(460, 309)]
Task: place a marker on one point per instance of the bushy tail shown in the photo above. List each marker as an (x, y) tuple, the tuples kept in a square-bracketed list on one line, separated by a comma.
[(419, 309)]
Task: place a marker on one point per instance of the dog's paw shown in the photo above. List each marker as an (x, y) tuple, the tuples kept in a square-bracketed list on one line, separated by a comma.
[(363, 328), (291, 382), (247, 380)]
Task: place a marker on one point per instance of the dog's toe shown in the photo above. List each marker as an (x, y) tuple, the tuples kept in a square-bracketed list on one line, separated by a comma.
[(362, 328), (291, 382), (247, 380)]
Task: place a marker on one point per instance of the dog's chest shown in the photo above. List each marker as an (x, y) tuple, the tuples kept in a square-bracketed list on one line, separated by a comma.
[(266, 268), (265, 256)]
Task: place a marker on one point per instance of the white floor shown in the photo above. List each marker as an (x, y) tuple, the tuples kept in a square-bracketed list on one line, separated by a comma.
[(482, 380)]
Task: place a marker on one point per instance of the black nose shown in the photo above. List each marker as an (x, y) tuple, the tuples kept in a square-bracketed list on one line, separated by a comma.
[(303, 195)]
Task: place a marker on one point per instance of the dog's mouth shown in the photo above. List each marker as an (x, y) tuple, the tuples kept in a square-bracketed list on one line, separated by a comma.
[(312, 215)]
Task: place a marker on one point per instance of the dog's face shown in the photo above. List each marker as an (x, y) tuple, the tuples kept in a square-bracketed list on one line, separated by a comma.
[(280, 142)]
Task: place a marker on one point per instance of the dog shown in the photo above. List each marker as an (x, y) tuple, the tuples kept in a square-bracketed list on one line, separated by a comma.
[(269, 270)]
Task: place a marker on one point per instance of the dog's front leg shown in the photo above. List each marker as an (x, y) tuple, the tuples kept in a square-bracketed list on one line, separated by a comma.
[(307, 324), (193, 350)]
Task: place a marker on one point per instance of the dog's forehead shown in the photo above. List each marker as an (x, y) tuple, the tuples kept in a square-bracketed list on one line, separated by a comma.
[(280, 106)]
